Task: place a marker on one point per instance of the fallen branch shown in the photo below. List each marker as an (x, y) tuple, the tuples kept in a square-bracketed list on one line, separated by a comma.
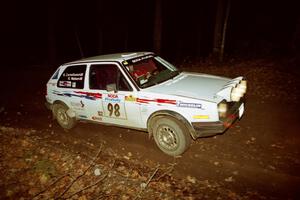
[(87, 187), (93, 184), (151, 177), (147, 183), (50, 185), (170, 169), (106, 196), (79, 176)]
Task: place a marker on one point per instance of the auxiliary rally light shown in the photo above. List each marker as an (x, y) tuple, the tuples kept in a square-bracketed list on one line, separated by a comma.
[(238, 92)]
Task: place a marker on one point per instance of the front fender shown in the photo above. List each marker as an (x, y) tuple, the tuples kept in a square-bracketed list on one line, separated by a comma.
[(158, 114)]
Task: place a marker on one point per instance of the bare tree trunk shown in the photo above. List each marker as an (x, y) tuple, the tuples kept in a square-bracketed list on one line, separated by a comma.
[(51, 38), (218, 28), (221, 28), (79, 43), (157, 33), (100, 27), (126, 35), (100, 39), (295, 40), (221, 56)]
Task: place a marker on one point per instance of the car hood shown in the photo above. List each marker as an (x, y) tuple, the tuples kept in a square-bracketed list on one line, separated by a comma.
[(192, 85)]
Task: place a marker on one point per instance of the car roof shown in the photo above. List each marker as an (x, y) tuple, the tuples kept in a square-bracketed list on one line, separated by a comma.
[(119, 57)]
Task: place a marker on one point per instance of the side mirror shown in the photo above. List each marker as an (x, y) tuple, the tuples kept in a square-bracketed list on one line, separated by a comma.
[(111, 87)]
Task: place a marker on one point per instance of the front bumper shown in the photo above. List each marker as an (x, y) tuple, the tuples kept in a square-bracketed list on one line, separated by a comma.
[(204, 129)]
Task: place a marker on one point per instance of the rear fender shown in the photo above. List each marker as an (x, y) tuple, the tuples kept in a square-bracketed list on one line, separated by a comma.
[(70, 112)]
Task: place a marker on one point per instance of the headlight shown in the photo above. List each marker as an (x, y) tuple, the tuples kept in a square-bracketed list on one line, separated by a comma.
[(222, 108)]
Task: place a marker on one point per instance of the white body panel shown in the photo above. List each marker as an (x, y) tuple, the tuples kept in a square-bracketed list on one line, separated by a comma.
[(194, 96)]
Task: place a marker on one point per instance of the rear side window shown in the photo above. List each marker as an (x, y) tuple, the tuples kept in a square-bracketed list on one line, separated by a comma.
[(72, 77)]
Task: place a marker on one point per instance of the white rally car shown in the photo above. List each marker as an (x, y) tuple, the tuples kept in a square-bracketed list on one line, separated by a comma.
[(143, 91)]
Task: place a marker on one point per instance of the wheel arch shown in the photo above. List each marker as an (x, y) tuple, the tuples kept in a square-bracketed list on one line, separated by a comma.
[(156, 115), (57, 102), (60, 102)]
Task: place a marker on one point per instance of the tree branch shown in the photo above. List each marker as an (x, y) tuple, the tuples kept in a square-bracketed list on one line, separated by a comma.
[(82, 174)]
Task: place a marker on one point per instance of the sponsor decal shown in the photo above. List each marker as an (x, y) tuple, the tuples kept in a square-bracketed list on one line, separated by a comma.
[(141, 58), (81, 103), (130, 98), (86, 95), (189, 105), (112, 98), (201, 117), (159, 101), (100, 113), (74, 76), (65, 83), (96, 118), (89, 94)]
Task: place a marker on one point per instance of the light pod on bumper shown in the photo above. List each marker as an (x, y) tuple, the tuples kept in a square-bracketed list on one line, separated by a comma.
[(222, 109), (239, 91)]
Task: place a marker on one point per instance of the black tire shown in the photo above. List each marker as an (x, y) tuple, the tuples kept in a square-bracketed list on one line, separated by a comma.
[(171, 135), (63, 119)]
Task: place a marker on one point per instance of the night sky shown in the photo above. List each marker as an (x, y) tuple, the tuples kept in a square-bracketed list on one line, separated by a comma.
[(32, 30)]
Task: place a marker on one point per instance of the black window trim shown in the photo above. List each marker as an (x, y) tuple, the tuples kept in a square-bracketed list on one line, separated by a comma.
[(120, 67), (89, 63), (63, 68)]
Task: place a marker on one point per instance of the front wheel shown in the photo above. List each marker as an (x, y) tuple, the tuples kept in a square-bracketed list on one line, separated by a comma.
[(63, 119), (171, 136)]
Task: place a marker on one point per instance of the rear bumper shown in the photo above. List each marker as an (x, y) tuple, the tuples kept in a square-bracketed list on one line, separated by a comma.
[(204, 129)]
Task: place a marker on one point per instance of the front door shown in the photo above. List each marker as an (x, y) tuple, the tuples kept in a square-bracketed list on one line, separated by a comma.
[(114, 104)]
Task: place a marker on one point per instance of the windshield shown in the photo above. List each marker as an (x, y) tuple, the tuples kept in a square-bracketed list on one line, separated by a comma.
[(150, 70)]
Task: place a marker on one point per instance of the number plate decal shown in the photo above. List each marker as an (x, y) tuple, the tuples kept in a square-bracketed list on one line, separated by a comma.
[(114, 106)]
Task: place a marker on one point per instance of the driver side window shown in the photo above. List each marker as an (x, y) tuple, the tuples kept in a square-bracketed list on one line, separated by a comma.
[(102, 75)]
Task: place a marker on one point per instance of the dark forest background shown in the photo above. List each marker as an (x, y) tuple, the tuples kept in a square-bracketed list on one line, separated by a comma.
[(53, 32)]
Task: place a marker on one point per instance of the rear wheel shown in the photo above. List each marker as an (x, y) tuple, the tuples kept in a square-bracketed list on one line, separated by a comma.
[(63, 119), (171, 135)]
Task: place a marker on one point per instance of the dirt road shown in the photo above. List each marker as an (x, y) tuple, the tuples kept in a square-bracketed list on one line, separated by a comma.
[(258, 158)]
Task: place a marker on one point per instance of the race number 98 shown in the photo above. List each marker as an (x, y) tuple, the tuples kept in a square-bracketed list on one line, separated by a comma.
[(113, 109)]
